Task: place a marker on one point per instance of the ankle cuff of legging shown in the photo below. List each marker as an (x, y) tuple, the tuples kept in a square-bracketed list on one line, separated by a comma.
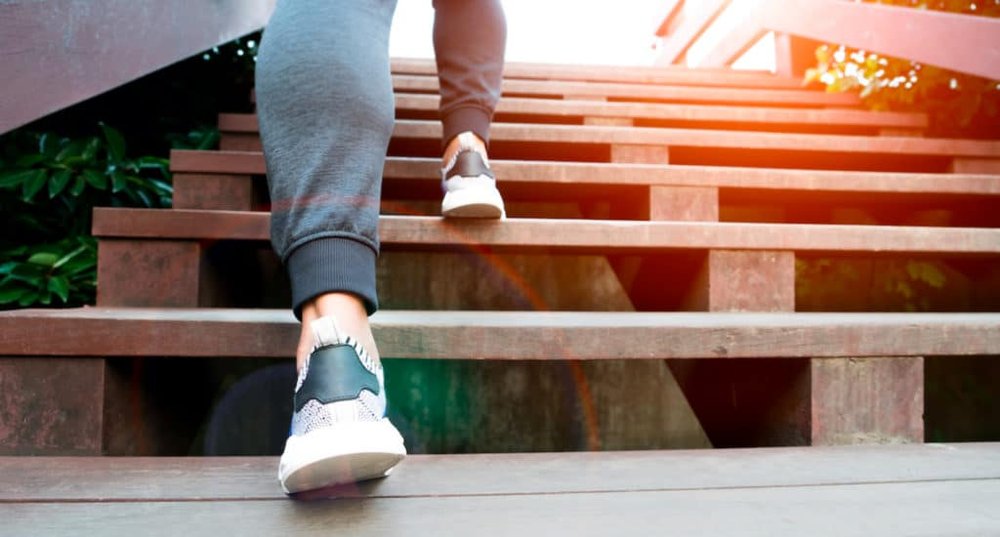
[(332, 265), (463, 119)]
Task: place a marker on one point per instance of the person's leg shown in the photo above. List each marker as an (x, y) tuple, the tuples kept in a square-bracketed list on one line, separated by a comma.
[(325, 108), (469, 41)]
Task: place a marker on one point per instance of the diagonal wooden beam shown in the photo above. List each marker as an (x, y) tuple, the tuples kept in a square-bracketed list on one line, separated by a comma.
[(57, 53)]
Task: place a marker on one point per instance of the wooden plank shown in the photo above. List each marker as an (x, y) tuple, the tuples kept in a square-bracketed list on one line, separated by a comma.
[(224, 192), (689, 28), (867, 400), (50, 407), (61, 479), (578, 173), (745, 281), (486, 335), (685, 94), (588, 134), (852, 24), (976, 165), (143, 273), (930, 508), (568, 234), (662, 75), (894, 123)]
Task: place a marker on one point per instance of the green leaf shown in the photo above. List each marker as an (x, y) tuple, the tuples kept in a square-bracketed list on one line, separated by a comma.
[(14, 178), (118, 182), (60, 286), (33, 184), (78, 186), (58, 182), (45, 259), (11, 293), (27, 161), (71, 153), (116, 143), (29, 297), (90, 150), (48, 145), (146, 202), (96, 179), (66, 258)]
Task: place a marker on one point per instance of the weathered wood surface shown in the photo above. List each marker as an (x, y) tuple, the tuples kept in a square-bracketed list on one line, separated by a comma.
[(410, 102), (898, 490), (50, 407), (568, 234), (663, 75), (624, 91), (589, 173), (55, 53), (591, 134), (487, 335)]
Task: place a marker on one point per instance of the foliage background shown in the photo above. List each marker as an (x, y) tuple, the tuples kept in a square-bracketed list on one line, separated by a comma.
[(54, 171), (957, 104)]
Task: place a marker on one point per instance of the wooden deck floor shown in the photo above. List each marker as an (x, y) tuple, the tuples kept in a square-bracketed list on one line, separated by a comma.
[(928, 489)]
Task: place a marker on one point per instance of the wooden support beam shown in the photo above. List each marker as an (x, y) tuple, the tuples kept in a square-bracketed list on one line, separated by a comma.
[(52, 406), (640, 154), (148, 273), (867, 401), (222, 192), (975, 165), (608, 121)]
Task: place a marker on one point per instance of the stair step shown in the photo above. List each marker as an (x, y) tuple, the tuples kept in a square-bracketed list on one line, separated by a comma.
[(688, 138), (760, 116), (109, 479), (491, 335), (584, 236), (634, 92), (585, 173), (661, 75)]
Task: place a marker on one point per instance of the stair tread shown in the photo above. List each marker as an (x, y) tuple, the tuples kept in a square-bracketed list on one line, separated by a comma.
[(212, 332), (687, 112), (577, 173), (631, 91), (599, 236), (708, 138), (661, 74)]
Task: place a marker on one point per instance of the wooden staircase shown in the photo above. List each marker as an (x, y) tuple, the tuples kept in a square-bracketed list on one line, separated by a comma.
[(641, 295)]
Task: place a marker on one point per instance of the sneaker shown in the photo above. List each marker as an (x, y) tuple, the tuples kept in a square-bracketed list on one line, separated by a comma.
[(470, 188), (339, 431)]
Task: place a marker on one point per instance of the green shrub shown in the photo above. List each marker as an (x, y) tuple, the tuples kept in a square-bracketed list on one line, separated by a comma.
[(48, 188)]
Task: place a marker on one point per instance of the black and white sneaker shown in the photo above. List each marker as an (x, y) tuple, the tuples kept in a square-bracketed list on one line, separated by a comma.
[(339, 431), (470, 188)]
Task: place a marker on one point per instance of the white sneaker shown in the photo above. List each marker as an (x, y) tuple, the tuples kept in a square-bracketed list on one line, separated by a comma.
[(339, 430), (470, 188)]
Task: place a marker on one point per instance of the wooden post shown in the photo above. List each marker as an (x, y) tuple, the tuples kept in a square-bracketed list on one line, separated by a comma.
[(148, 273), (51, 406), (218, 192), (975, 165), (867, 401), (608, 121)]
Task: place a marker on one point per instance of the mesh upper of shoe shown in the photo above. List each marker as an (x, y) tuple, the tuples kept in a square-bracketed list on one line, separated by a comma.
[(366, 407)]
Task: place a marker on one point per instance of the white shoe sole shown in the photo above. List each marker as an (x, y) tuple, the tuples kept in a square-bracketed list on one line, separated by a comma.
[(473, 202), (340, 454)]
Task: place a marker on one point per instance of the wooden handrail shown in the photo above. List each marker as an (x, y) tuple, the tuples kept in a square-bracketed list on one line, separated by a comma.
[(684, 29), (55, 53), (965, 43)]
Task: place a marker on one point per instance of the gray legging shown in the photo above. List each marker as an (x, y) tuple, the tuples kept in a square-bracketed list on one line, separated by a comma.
[(326, 111)]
